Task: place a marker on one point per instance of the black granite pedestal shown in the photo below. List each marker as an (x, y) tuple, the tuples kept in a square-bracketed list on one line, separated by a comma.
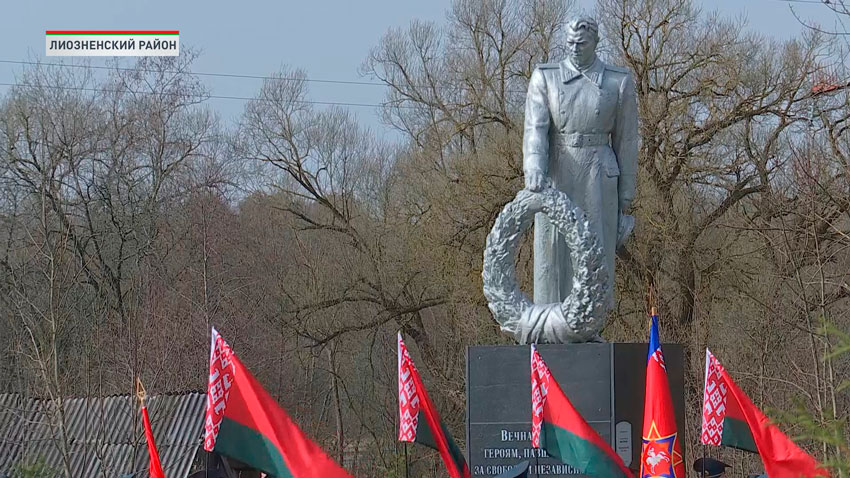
[(605, 382)]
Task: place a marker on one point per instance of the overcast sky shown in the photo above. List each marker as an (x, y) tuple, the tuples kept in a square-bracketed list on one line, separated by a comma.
[(327, 38)]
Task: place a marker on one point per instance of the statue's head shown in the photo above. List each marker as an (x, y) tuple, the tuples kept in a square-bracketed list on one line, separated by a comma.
[(582, 38)]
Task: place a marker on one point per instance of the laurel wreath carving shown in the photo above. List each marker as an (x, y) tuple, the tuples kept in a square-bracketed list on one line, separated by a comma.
[(581, 316)]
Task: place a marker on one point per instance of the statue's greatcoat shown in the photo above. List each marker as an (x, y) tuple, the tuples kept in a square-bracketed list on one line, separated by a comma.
[(581, 131)]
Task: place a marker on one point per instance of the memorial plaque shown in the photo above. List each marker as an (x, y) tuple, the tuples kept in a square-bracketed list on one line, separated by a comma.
[(605, 382)]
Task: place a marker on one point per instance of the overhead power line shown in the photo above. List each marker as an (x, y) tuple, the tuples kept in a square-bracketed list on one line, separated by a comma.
[(253, 77), (219, 75), (821, 2), (199, 96)]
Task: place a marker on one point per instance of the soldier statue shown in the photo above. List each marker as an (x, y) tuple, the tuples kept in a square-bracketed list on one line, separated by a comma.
[(581, 137)]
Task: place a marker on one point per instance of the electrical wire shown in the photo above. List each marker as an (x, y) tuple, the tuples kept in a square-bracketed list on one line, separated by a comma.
[(201, 96), (219, 75)]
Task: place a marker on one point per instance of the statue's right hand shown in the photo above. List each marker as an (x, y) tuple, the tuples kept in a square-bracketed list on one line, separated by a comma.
[(534, 180)]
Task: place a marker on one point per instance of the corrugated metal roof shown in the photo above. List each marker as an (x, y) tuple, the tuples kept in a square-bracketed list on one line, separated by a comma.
[(104, 436)]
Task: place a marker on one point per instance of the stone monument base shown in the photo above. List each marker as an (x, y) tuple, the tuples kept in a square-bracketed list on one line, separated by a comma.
[(605, 382)]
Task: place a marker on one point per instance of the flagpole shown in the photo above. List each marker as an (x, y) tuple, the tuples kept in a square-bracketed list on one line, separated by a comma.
[(537, 462), (208, 453), (406, 465), (140, 396)]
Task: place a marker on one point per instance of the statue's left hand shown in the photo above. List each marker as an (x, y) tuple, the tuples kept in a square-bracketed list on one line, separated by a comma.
[(625, 226), (535, 180)]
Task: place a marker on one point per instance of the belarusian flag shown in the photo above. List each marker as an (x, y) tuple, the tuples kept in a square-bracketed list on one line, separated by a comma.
[(419, 421), (245, 423), (729, 418), (661, 451), (557, 427)]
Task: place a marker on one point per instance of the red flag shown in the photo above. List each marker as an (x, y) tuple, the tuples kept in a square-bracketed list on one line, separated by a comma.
[(244, 422), (558, 428), (155, 465), (419, 421), (661, 450), (731, 419)]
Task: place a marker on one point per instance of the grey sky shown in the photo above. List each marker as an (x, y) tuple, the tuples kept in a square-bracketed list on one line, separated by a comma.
[(327, 38)]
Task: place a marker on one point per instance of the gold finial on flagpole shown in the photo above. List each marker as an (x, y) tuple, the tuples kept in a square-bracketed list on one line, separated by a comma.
[(652, 301), (141, 394)]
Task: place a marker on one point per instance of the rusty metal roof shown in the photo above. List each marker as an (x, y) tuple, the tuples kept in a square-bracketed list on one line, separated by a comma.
[(103, 436)]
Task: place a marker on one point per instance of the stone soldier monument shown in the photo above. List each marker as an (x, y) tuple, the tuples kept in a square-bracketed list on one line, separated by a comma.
[(581, 137), (579, 157)]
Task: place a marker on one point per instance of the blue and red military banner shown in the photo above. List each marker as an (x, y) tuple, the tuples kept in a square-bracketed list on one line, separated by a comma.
[(661, 450)]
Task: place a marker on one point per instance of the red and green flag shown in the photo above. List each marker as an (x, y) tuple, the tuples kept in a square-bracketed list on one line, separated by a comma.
[(661, 449), (729, 418), (419, 421), (245, 423), (558, 428)]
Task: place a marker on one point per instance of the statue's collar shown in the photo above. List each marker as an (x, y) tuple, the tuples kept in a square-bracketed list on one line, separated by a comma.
[(569, 72)]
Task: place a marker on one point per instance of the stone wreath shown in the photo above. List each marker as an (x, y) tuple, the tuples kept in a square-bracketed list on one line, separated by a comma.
[(581, 316)]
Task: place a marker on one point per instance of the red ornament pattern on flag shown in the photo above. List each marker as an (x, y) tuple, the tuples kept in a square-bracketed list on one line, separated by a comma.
[(540, 377), (408, 399), (714, 400), (659, 357), (221, 379)]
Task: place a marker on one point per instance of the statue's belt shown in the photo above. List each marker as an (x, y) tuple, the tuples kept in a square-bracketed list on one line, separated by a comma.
[(582, 140)]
